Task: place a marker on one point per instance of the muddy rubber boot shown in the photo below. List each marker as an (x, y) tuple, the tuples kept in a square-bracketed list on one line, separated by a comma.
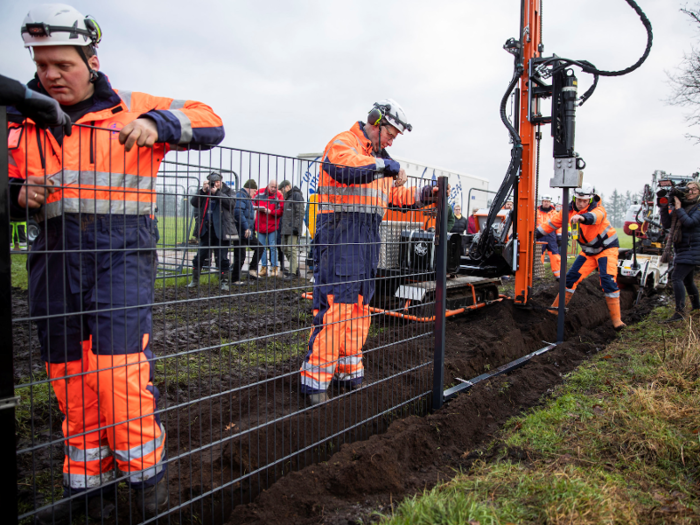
[(195, 278), (317, 399), (554, 309), (154, 499), (67, 511), (614, 309), (695, 302), (63, 512), (345, 386), (677, 316)]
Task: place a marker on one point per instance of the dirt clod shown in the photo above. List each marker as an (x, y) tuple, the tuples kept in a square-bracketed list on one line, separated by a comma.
[(417, 452)]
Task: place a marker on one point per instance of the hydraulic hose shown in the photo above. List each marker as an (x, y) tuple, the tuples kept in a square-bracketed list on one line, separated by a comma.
[(484, 247)]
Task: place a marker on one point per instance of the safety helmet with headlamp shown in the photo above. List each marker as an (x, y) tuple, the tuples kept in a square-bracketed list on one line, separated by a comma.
[(586, 191), (61, 25), (389, 111)]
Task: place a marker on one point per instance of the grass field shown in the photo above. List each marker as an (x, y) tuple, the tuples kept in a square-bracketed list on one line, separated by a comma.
[(172, 232), (618, 442)]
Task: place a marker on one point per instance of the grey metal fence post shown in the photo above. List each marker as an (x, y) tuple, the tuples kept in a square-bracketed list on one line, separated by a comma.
[(8, 455), (440, 295), (561, 313)]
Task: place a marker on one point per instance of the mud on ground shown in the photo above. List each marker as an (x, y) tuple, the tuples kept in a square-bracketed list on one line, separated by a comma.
[(227, 369), (229, 392), (417, 452)]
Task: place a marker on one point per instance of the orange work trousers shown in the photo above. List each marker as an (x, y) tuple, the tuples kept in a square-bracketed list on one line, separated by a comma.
[(606, 264), (335, 347), (109, 410), (554, 262)]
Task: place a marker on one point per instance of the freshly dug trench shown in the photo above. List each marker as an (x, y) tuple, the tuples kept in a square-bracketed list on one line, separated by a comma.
[(417, 452)]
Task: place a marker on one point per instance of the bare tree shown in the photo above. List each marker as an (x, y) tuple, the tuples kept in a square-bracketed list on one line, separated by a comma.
[(685, 81)]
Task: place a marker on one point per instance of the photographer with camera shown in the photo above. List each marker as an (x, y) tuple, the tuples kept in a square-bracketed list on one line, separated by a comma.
[(216, 228), (680, 214)]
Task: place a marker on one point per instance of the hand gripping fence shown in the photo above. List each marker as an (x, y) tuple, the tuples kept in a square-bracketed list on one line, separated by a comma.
[(182, 330), (167, 333)]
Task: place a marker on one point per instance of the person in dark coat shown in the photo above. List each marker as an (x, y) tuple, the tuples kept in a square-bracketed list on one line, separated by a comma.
[(460, 226), (216, 228), (682, 219), (244, 215), (291, 226), (283, 186)]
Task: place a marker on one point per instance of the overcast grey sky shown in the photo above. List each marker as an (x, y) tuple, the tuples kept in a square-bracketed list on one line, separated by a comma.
[(286, 76)]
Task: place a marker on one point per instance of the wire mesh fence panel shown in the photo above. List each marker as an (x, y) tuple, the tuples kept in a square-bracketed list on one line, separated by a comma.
[(190, 327), (538, 269)]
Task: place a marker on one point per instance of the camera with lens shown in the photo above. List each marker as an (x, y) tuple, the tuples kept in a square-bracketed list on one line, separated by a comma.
[(669, 190)]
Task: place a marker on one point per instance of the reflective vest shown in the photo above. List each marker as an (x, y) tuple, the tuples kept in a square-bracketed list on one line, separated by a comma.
[(311, 211), (91, 171), (544, 216), (352, 181), (595, 233)]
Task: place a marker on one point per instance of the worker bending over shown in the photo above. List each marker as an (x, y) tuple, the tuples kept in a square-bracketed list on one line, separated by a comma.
[(358, 181), (549, 242), (92, 267), (599, 247)]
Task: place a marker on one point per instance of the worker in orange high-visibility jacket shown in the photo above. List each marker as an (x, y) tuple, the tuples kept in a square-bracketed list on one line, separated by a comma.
[(358, 181), (599, 248), (92, 267), (545, 212)]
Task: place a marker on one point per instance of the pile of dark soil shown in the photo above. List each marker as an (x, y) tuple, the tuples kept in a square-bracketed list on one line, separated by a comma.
[(227, 369), (417, 452)]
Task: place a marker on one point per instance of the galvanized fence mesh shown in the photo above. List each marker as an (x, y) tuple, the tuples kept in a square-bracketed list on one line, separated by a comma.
[(169, 335)]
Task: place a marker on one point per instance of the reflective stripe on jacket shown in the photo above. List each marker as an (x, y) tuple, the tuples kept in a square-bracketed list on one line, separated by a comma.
[(543, 217), (595, 231), (90, 169), (352, 178)]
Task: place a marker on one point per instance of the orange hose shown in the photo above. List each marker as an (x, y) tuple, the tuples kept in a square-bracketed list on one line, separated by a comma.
[(448, 313)]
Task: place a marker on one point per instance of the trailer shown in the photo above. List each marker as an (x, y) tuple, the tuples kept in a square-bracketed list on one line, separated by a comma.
[(469, 191)]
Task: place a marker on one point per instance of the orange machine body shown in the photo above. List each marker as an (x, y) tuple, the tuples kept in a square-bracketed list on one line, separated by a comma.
[(526, 196)]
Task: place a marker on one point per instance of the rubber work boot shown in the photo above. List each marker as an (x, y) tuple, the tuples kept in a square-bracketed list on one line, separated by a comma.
[(317, 399), (695, 302), (345, 386), (195, 278), (677, 316), (263, 272), (154, 499), (66, 511), (555, 305), (614, 309)]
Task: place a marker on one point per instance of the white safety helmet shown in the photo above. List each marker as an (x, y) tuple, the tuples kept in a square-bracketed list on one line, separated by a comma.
[(388, 110), (586, 191), (547, 197), (59, 25)]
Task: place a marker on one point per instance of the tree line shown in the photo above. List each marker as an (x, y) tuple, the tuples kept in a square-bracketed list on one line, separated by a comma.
[(617, 204)]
